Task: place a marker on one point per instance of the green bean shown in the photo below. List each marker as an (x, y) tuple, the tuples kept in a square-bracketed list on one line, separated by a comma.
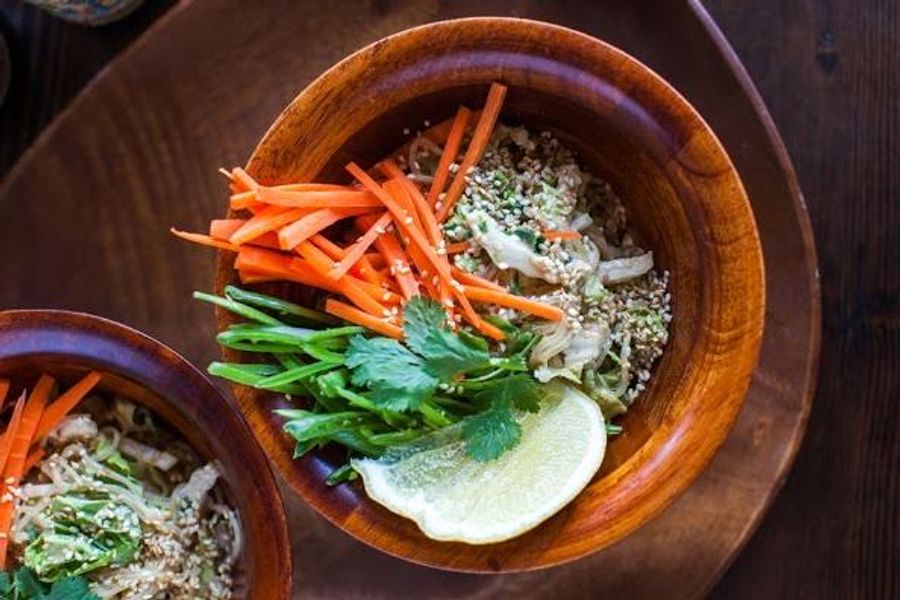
[(343, 473), (244, 376), (276, 305), (394, 438), (292, 375), (434, 416), (248, 312)]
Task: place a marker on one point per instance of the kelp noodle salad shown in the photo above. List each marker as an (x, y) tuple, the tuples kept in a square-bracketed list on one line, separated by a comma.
[(486, 314), (101, 500)]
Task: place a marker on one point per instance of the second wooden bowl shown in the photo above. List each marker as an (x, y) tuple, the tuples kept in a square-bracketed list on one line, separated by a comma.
[(684, 198), (68, 344)]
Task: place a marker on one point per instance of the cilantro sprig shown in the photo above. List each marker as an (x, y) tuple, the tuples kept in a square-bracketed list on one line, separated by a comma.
[(371, 394), (23, 584)]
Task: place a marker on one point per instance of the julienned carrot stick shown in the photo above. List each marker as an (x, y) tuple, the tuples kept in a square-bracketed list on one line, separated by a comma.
[(266, 220), (396, 187), (199, 238), (18, 453), (411, 200), (59, 408), (538, 309), (292, 235), (7, 439), (263, 264), (243, 178), (477, 322), (363, 267), (7, 504), (223, 229), (318, 198), (4, 389), (477, 145), (247, 277), (31, 417), (562, 234), (349, 288), (376, 260), (458, 247), (415, 235), (279, 266), (353, 315), (398, 260), (398, 264), (249, 198), (356, 252), (429, 222), (33, 458), (451, 149), (472, 279)]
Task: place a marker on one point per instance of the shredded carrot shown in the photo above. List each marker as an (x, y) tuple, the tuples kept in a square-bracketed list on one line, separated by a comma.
[(490, 296), (248, 277), (266, 220), (7, 439), (347, 286), (250, 198), (358, 249), (363, 268), (205, 240), (267, 265), (415, 235), (398, 264), (31, 417), (477, 145), (33, 458), (376, 260), (472, 279), (292, 235), (59, 408), (561, 234), (396, 187), (351, 198), (448, 156), (469, 314), (18, 453), (223, 229), (4, 389), (353, 315), (458, 247), (416, 203), (280, 266), (243, 178)]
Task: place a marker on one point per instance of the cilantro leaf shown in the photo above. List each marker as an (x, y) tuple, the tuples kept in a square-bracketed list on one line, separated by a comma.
[(24, 585), (517, 390), (27, 585), (398, 378), (5, 585), (491, 432), (71, 588), (446, 354)]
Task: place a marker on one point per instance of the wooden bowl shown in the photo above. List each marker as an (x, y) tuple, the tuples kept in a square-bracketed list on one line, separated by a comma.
[(685, 201), (67, 345)]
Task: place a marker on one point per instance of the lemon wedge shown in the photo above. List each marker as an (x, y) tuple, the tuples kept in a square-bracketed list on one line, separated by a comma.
[(453, 497)]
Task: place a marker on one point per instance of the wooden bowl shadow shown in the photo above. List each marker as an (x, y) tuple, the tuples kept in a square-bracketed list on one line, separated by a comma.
[(684, 199)]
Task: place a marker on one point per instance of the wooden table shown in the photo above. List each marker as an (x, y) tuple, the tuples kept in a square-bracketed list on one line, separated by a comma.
[(829, 75)]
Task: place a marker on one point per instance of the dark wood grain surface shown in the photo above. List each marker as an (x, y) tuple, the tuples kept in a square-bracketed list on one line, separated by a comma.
[(829, 73)]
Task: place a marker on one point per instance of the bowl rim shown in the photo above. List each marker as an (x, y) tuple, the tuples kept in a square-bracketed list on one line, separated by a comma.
[(752, 339), (25, 320)]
